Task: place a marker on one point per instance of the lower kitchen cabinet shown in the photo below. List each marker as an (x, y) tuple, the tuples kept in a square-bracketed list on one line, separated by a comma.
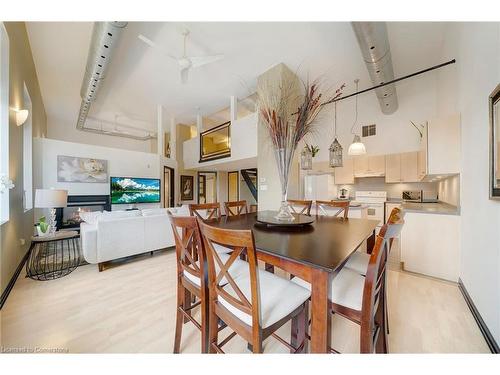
[(430, 245)]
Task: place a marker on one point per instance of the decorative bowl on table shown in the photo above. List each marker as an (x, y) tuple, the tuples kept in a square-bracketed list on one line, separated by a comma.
[(269, 218)]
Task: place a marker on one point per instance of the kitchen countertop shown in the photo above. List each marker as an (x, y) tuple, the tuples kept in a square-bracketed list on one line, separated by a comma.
[(427, 208)]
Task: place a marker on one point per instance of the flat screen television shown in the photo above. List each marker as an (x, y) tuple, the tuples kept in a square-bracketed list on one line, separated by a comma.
[(129, 190)]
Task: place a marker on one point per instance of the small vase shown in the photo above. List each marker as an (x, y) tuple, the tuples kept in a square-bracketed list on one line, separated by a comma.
[(284, 159)]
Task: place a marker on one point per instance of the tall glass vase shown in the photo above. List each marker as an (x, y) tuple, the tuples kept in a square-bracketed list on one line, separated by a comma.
[(284, 159)]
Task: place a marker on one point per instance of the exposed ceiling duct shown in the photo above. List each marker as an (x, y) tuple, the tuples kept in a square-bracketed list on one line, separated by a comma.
[(105, 37), (374, 44)]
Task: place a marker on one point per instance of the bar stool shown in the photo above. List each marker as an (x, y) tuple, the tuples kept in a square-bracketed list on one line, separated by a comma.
[(236, 208), (332, 208)]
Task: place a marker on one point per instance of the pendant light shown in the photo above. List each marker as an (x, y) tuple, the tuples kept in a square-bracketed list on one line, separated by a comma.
[(335, 147), (306, 159), (357, 147)]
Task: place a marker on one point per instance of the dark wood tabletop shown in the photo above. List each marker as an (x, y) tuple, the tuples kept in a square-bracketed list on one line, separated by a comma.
[(325, 244)]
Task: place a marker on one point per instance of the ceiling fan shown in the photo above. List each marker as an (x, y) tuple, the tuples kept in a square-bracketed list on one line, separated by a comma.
[(185, 62)]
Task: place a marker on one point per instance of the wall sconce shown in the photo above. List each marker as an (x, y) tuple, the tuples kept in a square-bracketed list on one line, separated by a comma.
[(21, 116)]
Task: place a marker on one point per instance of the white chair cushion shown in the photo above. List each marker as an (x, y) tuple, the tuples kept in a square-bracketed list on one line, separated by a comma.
[(238, 268), (278, 297), (346, 289), (358, 262)]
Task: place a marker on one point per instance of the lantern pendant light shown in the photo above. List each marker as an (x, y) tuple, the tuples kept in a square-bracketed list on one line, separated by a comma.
[(306, 159), (335, 147), (357, 147)]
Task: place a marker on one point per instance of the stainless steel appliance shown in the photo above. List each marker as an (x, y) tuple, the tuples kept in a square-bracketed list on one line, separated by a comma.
[(343, 194), (412, 195)]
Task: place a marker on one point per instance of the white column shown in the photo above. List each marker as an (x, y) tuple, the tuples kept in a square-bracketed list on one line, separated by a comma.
[(159, 130), (199, 124), (173, 139), (233, 108)]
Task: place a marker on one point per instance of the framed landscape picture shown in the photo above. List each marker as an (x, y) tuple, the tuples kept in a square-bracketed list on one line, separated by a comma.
[(187, 185)]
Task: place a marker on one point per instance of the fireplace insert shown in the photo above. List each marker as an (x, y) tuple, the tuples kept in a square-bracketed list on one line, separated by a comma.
[(69, 217)]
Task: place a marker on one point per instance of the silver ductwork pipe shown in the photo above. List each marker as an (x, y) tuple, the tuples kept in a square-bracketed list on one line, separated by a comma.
[(105, 37), (374, 44)]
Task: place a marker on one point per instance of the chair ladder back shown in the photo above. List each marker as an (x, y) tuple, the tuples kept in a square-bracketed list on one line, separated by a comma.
[(189, 249), (340, 206), (240, 241), (375, 284), (212, 210), (301, 207), (236, 208)]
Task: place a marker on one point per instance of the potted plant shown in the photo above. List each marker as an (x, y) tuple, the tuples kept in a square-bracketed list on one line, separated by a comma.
[(42, 228)]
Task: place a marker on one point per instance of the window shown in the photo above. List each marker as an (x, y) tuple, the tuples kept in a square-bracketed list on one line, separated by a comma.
[(4, 124), (27, 154)]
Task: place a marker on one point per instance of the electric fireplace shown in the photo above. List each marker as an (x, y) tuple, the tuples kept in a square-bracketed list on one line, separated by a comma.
[(69, 217)]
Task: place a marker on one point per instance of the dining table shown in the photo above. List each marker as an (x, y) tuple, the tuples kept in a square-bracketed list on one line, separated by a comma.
[(313, 252)]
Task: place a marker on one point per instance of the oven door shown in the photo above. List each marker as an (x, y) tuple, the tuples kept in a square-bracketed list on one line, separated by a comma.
[(375, 211)]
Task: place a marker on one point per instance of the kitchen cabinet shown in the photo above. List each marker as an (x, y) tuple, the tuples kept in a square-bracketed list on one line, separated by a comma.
[(345, 175), (369, 166), (430, 245), (440, 147), (401, 167)]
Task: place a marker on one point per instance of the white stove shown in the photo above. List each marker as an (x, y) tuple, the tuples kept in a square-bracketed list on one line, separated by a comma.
[(374, 201)]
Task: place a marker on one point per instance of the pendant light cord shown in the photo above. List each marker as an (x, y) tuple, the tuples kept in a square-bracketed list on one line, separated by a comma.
[(356, 81), (335, 119)]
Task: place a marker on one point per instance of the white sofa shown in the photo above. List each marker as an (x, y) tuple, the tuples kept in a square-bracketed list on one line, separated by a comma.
[(107, 236)]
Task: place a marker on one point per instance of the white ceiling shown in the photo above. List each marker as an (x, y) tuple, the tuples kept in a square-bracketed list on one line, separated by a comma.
[(141, 77)]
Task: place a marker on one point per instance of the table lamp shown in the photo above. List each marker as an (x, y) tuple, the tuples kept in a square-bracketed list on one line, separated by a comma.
[(51, 198)]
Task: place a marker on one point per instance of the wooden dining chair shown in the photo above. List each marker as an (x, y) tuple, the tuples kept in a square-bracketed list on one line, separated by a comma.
[(236, 208), (191, 265), (361, 299), (253, 208), (332, 208), (254, 305), (300, 206), (205, 211), (359, 260), (192, 276)]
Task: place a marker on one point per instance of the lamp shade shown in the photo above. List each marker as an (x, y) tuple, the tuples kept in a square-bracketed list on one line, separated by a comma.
[(50, 198), (21, 116), (356, 147)]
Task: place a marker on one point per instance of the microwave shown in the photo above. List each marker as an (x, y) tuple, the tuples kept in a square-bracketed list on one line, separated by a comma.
[(412, 195)]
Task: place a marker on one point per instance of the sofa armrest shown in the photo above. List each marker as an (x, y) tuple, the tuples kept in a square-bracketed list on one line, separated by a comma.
[(88, 236)]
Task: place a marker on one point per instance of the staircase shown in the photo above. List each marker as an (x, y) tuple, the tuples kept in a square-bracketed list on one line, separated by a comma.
[(250, 177)]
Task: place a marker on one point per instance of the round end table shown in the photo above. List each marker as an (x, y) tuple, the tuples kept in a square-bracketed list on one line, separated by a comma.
[(53, 256)]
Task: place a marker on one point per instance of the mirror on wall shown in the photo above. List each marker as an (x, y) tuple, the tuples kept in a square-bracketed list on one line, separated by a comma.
[(494, 103)]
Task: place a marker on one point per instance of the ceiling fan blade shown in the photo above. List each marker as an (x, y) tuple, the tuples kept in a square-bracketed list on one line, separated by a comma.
[(152, 44), (198, 61), (146, 40), (184, 75)]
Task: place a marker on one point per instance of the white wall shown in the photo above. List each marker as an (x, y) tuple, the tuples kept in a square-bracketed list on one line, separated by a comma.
[(449, 190), (64, 131), (417, 102), (465, 88), (120, 163), (243, 145)]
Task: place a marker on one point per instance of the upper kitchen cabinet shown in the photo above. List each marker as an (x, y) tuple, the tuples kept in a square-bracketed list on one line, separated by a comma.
[(401, 167), (369, 166), (440, 147), (345, 175)]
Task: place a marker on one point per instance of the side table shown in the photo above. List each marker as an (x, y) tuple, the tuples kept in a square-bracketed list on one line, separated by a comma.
[(53, 256)]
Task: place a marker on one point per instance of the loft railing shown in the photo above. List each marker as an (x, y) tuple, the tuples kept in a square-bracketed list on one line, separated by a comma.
[(215, 143)]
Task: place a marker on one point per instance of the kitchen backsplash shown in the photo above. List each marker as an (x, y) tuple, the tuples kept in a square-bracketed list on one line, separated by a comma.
[(393, 190)]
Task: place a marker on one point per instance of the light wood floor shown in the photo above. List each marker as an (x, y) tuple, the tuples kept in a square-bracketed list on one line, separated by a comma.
[(130, 308)]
